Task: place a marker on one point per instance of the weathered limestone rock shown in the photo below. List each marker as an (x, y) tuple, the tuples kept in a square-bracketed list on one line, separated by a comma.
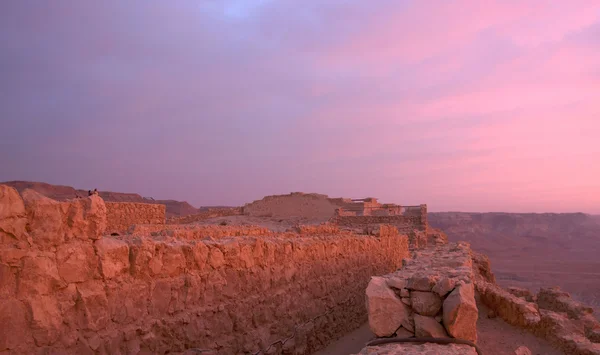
[(425, 303), (92, 305), (428, 327), (14, 329), (386, 311), (460, 313), (396, 282), (418, 349), (114, 256), (46, 320), (511, 308), (422, 282), (557, 300), (45, 218), (562, 332), (522, 350), (444, 286), (522, 293), (483, 270), (13, 218), (403, 333), (76, 261), (52, 222), (39, 276), (86, 217)]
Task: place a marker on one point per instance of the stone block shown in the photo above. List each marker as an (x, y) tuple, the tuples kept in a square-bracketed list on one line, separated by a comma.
[(385, 310), (460, 313), (428, 327), (114, 256)]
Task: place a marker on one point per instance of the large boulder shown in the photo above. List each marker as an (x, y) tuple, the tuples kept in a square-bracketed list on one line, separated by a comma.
[(386, 311), (460, 313), (13, 218)]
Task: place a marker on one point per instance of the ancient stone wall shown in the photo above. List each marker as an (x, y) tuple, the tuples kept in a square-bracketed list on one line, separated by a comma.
[(68, 288), (551, 314), (432, 295), (210, 213), (413, 218), (122, 215), (360, 221)]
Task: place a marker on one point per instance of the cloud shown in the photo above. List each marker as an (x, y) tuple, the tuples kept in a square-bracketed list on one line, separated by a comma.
[(462, 104)]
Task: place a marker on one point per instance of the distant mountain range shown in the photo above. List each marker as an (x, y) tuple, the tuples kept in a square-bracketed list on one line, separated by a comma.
[(534, 250)]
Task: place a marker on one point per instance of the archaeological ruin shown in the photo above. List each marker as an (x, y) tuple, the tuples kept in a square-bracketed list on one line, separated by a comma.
[(86, 276)]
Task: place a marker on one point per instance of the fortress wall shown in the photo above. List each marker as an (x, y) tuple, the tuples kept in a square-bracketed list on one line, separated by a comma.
[(122, 215), (210, 213), (67, 288)]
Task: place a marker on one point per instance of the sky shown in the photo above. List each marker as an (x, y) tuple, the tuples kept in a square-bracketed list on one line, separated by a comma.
[(464, 105)]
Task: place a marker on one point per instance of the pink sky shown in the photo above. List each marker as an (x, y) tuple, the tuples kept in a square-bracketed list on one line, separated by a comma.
[(463, 105)]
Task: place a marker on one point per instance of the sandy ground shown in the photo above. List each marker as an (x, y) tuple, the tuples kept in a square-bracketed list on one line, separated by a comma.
[(494, 337)]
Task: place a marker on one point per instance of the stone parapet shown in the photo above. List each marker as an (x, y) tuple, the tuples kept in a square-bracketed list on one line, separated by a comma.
[(122, 215), (432, 295)]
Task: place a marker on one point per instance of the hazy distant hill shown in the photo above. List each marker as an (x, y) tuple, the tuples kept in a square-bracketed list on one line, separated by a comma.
[(533, 250), (61, 193)]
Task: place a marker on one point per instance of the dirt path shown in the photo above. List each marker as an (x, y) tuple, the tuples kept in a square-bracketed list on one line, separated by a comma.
[(494, 337), (351, 343)]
